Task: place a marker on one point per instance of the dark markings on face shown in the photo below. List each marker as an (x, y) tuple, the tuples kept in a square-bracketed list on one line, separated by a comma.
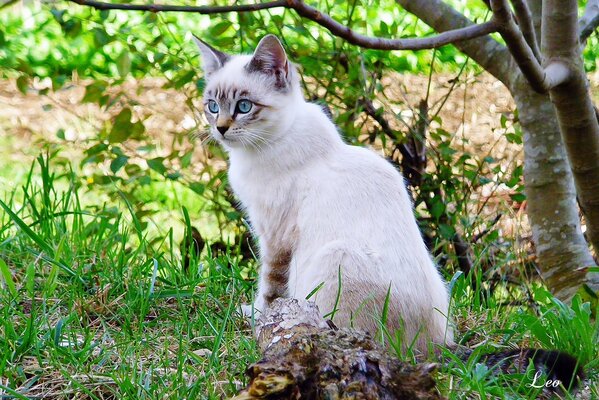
[(227, 97), (254, 115), (279, 77), (278, 275), (230, 93)]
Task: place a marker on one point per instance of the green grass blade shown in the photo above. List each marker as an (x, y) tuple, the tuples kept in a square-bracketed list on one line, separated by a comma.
[(13, 393), (28, 231), (10, 284)]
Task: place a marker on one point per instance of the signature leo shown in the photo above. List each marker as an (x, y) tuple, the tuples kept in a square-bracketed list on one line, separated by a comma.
[(536, 383)]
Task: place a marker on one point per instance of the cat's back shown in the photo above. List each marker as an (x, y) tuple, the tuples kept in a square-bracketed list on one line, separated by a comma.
[(365, 170), (356, 192)]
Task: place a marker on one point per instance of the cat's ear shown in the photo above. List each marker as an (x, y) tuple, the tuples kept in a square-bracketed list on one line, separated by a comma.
[(212, 59), (270, 58)]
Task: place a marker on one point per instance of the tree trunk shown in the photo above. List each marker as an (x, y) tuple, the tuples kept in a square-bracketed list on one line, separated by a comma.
[(574, 108), (560, 244), (552, 210), (305, 358)]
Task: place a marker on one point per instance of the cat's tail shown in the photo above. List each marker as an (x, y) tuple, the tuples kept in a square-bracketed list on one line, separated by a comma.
[(553, 369)]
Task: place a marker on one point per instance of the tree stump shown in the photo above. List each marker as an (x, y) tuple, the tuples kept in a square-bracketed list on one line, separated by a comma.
[(306, 357)]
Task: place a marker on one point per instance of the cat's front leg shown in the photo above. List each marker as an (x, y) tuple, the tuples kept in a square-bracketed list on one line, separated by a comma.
[(274, 276)]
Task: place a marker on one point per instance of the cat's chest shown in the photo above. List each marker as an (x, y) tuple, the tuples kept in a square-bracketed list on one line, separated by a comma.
[(269, 198)]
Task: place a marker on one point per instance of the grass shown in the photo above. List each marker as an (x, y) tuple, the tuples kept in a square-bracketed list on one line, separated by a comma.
[(91, 307), (94, 306)]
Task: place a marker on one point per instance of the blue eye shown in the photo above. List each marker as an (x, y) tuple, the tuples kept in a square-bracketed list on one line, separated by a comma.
[(212, 106), (244, 106)]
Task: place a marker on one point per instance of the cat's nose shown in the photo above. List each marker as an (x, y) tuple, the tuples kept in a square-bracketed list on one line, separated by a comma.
[(222, 129)]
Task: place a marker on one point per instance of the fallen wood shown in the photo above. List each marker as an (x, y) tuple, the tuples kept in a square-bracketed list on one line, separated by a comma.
[(304, 357)]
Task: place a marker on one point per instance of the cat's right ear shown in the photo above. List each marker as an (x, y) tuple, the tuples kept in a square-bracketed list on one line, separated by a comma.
[(270, 58), (212, 59)]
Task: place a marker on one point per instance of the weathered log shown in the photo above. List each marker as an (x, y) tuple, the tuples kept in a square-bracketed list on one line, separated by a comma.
[(306, 357)]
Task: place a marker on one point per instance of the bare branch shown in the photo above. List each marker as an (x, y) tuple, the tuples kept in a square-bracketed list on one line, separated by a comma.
[(486, 51), (324, 20), (346, 33), (524, 19), (589, 20), (519, 48), (99, 5)]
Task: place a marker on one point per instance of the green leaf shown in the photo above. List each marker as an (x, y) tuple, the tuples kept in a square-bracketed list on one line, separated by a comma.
[(137, 130), (384, 29), (23, 83), (513, 138), (197, 187), (437, 208), (7, 275), (98, 148), (72, 27), (123, 64), (58, 15), (118, 163), (446, 231), (58, 81), (157, 165), (518, 197), (220, 28), (94, 92), (173, 176), (201, 84), (101, 37), (122, 127), (186, 159)]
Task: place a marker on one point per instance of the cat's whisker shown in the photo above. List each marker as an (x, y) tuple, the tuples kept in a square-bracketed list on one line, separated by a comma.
[(259, 139), (199, 134), (206, 139)]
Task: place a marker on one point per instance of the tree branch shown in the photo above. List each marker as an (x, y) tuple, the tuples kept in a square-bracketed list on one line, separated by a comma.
[(100, 5), (524, 18), (324, 20), (540, 79), (589, 20), (346, 33), (486, 51), (519, 48)]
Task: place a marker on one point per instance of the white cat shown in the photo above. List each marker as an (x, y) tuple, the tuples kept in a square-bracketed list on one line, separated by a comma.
[(328, 216)]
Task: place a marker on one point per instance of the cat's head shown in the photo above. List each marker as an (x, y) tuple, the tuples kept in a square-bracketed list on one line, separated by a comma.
[(249, 99)]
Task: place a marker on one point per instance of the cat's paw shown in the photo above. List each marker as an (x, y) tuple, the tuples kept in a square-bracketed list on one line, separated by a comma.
[(251, 311), (246, 310)]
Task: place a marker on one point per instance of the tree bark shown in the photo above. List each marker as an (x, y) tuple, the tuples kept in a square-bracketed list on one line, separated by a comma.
[(574, 108), (305, 358), (560, 244)]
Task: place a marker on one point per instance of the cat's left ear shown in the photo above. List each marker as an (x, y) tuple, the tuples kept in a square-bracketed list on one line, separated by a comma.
[(212, 59), (270, 58)]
